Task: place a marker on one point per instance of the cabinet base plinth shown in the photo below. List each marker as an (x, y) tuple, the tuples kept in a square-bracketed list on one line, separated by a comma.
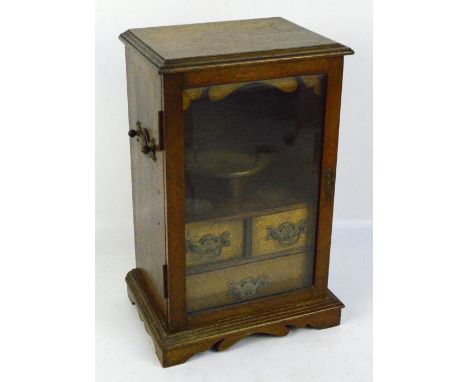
[(176, 348)]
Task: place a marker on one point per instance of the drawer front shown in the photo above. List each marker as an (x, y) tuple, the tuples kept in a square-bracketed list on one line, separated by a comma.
[(286, 231), (248, 281), (208, 242)]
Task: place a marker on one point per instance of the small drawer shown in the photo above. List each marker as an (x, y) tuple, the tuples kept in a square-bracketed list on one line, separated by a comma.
[(248, 281), (213, 241), (286, 231)]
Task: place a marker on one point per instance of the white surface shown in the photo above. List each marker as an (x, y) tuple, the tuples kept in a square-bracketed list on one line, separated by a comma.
[(46, 203), (124, 351)]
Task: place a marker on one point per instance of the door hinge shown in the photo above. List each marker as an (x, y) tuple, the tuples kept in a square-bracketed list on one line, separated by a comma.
[(164, 270), (160, 130), (330, 185)]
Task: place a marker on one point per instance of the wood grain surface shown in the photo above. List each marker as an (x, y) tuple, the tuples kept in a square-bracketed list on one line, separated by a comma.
[(173, 48), (262, 244), (282, 274), (176, 348), (235, 235), (149, 199)]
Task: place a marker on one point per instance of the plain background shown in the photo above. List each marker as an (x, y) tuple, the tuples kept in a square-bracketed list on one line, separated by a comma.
[(123, 349), (47, 217), (348, 22)]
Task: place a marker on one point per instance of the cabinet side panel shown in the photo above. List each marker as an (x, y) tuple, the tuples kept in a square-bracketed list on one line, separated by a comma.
[(148, 186)]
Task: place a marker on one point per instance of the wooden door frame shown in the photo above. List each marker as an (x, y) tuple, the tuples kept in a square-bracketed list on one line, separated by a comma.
[(174, 132), (173, 85)]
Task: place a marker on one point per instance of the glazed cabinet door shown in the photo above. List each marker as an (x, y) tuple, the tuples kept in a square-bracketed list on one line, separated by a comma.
[(252, 170)]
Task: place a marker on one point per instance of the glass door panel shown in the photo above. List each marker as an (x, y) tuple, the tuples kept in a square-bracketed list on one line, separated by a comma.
[(253, 153)]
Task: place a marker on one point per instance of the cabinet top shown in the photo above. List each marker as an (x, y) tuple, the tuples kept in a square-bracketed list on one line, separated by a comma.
[(184, 47)]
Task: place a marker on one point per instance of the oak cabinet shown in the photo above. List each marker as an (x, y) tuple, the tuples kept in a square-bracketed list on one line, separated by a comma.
[(233, 142)]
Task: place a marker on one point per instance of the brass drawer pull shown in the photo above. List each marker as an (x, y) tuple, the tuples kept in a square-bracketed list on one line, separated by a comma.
[(287, 233), (248, 287), (209, 246)]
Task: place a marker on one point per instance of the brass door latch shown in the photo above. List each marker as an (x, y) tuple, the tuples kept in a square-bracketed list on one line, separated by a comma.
[(148, 144)]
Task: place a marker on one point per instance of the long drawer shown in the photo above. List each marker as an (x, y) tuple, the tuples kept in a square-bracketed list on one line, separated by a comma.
[(248, 281)]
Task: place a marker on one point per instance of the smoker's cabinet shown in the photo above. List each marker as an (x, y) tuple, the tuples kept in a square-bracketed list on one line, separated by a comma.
[(233, 138)]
